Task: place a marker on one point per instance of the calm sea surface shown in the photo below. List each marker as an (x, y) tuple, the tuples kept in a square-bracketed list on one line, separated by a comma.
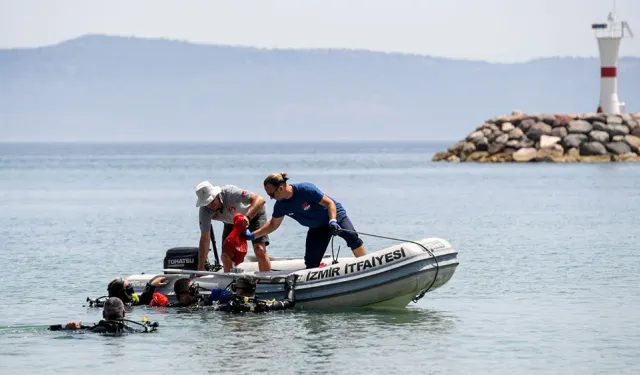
[(548, 280)]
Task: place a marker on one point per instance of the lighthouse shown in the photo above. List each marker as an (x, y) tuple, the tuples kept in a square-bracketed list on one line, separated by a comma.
[(609, 35)]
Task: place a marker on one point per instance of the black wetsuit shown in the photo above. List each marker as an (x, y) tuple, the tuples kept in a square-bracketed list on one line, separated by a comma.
[(146, 296), (109, 326)]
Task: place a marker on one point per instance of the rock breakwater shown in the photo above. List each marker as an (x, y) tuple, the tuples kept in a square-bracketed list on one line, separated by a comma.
[(519, 137)]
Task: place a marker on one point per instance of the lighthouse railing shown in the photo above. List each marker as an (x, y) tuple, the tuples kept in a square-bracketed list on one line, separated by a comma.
[(611, 30)]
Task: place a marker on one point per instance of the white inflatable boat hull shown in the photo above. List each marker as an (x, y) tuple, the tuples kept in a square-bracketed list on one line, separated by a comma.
[(391, 277)]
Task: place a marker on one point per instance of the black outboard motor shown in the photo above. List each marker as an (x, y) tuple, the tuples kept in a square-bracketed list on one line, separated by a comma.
[(185, 258)]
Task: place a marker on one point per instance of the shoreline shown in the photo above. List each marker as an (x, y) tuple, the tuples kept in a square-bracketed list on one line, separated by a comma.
[(559, 138)]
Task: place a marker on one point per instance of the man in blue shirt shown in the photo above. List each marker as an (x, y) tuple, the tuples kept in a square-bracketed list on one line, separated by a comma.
[(309, 206)]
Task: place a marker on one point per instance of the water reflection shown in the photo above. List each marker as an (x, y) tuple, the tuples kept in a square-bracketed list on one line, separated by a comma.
[(425, 320)]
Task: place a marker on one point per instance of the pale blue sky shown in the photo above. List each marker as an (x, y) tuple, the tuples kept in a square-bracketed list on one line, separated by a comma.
[(494, 30)]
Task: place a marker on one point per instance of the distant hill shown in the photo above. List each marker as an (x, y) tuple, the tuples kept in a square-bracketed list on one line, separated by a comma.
[(117, 88)]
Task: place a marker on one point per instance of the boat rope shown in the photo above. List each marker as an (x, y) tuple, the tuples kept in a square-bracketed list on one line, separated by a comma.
[(424, 291)]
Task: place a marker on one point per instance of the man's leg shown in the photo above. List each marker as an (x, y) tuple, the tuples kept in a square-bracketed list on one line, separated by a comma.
[(260, 244), (227, 263), (260, 249), (316, 245), (353, 240)]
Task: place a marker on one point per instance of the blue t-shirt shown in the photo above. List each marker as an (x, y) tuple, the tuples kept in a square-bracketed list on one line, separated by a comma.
[(304, 206)]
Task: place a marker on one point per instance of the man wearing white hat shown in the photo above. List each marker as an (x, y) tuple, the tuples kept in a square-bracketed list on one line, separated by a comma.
[(222, 203)]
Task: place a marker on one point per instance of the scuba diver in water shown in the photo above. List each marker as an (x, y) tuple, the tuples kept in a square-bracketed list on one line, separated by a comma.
[(240, 298), (113, 321), (122, 289)]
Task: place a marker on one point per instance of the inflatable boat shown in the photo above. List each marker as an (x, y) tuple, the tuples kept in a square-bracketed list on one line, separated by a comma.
[(390, 277)]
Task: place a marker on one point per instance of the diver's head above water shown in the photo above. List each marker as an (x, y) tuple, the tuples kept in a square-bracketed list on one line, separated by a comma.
[(113, 309), (187, 291), (245, 286), (122, 289)]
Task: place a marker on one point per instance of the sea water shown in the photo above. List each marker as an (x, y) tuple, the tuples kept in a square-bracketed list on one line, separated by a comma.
[(547, 282)]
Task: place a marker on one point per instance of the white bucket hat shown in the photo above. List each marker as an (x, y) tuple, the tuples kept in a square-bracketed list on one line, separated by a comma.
[(206, 193)]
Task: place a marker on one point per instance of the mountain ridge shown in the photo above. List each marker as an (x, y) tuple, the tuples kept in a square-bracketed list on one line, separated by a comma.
[(96, 36), (99, 87)]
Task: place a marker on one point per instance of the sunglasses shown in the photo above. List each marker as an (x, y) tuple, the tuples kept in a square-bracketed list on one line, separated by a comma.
[(273, 193)]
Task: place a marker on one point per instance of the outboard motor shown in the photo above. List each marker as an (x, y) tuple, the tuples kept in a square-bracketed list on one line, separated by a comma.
[(185, 258)]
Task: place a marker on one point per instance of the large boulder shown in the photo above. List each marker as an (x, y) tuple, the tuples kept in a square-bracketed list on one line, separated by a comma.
[(548, 141), (506, 127), (494, 135), (526, 143), (515, 116), (483, 144), (618, 148), (592, 117), (579, 127), (495, 148), (513, 143), (615, 129), (559, 132), (574, 140), (475, 137), (592, 148), (537, 130), (633, 142), (516, 133), (456, 149), (441, 156), (599, 136), (601, 126), (524, 154), (614, 120), (626, 117), (467, 150), (502, 138), (562, 120), (548, 119), (526, 124)]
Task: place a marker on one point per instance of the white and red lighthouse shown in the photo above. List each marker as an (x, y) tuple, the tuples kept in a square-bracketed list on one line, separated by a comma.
[(609, 35)]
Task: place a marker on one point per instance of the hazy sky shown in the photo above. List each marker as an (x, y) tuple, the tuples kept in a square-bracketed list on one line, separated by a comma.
[(495, 30)]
